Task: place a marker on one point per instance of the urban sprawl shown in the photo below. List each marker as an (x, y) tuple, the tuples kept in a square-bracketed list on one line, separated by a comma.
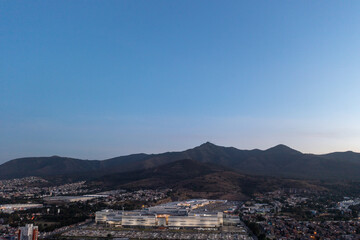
[(32, 209)]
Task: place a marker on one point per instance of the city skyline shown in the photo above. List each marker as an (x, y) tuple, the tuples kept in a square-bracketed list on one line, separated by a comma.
[(94, 80)]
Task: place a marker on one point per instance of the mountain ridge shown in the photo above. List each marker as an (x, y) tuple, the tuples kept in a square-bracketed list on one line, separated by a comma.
[(279, 161)]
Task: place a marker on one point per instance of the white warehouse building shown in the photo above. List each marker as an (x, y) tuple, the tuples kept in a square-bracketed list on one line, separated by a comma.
[(176, 214), (144, 219)]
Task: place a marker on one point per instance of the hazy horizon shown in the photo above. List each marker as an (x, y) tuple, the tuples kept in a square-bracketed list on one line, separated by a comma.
[(177, 150), (100, 79)]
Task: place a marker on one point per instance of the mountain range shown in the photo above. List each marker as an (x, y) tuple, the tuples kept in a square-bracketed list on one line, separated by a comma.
[(278, 161)]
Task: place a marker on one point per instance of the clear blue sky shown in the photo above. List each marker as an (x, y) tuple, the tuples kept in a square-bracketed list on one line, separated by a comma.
[(97, 79)]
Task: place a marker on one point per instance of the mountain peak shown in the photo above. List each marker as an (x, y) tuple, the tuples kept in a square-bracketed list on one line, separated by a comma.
[(209, 144), (281, 148)]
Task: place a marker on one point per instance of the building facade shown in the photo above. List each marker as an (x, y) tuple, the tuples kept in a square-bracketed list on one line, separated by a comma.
[(29, 232), (175, 214)]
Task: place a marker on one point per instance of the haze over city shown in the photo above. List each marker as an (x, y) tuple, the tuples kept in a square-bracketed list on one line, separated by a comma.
[(99, 79)]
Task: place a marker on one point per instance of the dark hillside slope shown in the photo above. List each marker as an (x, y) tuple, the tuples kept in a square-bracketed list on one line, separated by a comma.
[(189, 178)]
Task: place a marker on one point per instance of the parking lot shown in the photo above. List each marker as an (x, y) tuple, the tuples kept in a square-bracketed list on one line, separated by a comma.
[(98, 232)]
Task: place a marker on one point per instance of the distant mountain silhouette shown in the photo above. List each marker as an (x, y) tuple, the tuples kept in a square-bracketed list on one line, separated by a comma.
[(282, 149), (349, 156), (45, 166), (279, 161)]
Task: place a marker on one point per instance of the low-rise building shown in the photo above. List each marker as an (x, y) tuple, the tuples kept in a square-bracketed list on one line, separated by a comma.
[(9, 208), (174, 214), (29, 232)]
